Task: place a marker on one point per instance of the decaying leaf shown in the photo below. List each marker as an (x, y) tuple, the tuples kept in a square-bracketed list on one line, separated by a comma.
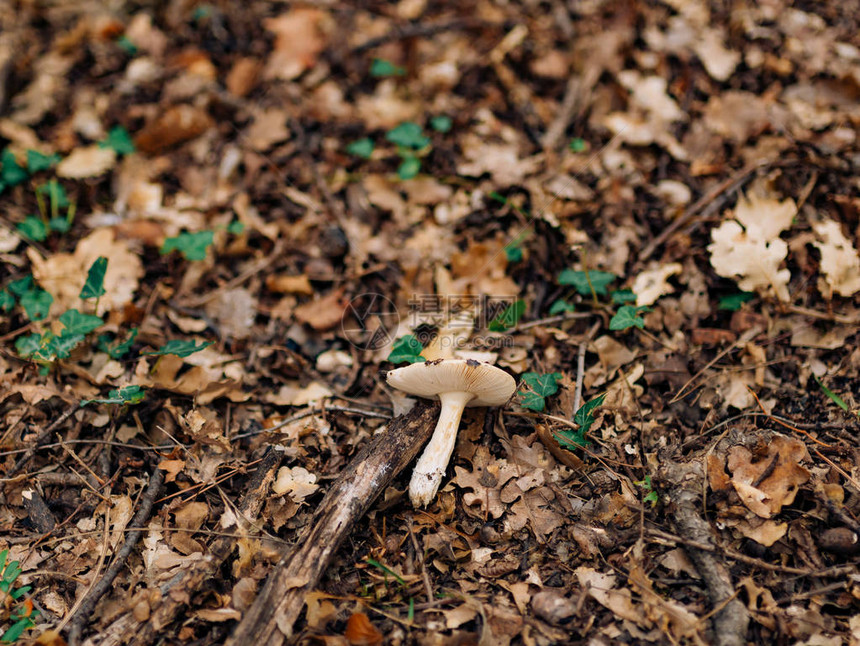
[(298, 482), (748, 248), (769, 478), (651, 284)]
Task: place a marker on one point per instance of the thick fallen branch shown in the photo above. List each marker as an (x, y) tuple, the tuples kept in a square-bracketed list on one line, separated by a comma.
[(731, 619), (269, 621), (177, 592)]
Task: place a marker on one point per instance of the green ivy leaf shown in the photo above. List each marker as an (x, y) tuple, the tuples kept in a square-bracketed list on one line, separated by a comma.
[(381, 68), (181, 348), (236, 227), (441, 123), (406, 349), (580, 280), (27, 346), (627, 317), (585, 415), (408, 135), (77, 323), (409, 167), (543, 384), (508, 318), (16, 630), (33, 228), (118, 139), (115, 349), (94, 287), (192, 246), (36, 304), (734, 302), (126, 395), (7, 301), (11, 174), (533, 401), (36, 161), (60, 347), (361, 148), (22, 285), (560, 307), (621, 296)]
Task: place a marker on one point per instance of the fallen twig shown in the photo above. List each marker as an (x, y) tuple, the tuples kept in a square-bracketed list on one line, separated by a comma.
[(271, 617)]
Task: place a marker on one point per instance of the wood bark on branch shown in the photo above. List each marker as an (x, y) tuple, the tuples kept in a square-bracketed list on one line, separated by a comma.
[(270, 619)]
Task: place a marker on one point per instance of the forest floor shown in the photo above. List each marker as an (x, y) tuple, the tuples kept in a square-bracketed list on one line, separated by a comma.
[(222, 224)]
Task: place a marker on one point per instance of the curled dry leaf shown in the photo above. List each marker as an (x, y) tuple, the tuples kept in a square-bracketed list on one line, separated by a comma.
[(298, 482), (178, 124), (748, 248), (361, 632), (652, 283), (768, 478)]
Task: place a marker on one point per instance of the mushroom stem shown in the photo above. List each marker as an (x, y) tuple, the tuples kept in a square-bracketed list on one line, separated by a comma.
[(433, 463)]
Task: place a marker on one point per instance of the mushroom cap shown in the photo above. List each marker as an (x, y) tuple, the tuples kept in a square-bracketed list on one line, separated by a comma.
[(490, 386)]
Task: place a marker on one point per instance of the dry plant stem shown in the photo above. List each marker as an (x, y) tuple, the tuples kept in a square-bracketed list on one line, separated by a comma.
[(731, 619), (270, 619), (177, 592), (86, 608)]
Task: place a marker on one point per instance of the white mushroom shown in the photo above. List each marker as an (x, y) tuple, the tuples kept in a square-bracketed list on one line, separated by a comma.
[(456, 383)]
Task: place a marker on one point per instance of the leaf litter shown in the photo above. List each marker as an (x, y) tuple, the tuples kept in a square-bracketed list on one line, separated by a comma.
[(261, 267)]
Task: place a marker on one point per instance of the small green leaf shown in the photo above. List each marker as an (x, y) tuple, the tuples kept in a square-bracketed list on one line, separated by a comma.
[(409, 167), (181, 348), (59, 224), (56, 194), (626, 317), (192, 246), (77, 323), (11, 174), (513, 252), (408, 135), (36, 161), (577, 145), (16, 630), (533, 401), (33, 228), (585, 415), (621, 296), (650, 495), (94, 287), (125, 395), (508, 318), (734, 302), (361, 148), (560, 307), (236, 227), (27, 346), (36, 304), (118, 139), (441, 123), (381, 68), (22, 285), (126, 45), (406, 349), (580, 280), (571, 439), (543, 384), (7, 301)]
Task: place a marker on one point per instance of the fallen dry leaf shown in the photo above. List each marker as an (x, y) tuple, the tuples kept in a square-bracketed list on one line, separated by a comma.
[(840, 262), (298, 482), (90, 161), (769, 478), (651, 284), (299, 39), (178, 124), (749, 249)]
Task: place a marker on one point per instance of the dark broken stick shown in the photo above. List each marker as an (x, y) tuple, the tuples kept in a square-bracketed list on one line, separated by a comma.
[(731, 619), (270, 619)]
